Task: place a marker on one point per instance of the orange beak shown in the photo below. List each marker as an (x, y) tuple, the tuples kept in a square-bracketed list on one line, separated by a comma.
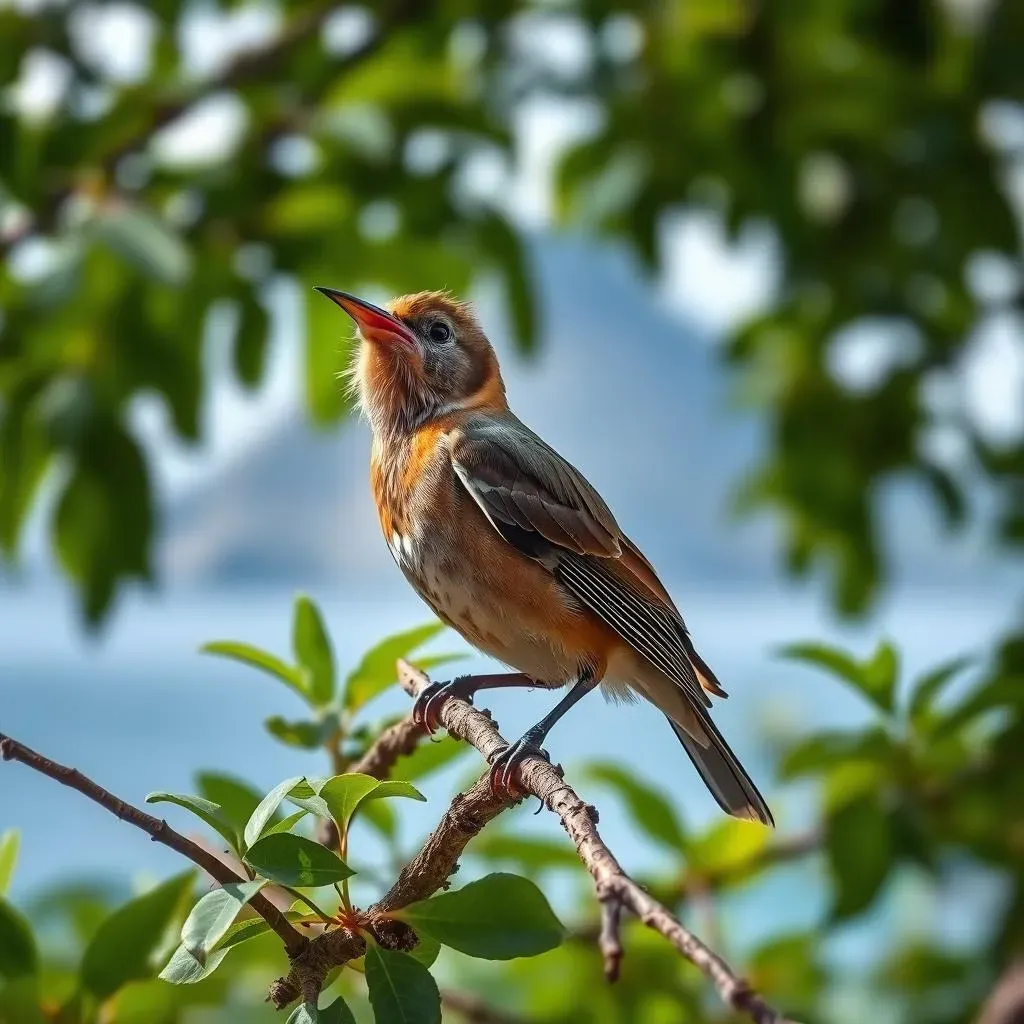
[(375, 324)]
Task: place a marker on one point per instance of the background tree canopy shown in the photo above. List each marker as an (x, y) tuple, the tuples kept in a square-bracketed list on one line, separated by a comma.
[(882, 144)]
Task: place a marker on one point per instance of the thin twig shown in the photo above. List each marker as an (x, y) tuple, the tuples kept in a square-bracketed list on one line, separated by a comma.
[(158, 830), (395, 741), (543, 780)]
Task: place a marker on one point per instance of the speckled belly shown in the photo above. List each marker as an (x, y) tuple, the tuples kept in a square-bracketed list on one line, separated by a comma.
[(500, 610)]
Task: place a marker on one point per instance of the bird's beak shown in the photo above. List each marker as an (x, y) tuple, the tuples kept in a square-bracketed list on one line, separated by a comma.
[(375, 324)]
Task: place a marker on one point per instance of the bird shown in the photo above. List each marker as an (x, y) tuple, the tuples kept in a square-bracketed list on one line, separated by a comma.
[(512, 547)]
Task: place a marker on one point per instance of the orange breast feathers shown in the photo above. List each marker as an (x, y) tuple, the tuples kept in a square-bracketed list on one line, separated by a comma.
[(473, 579)]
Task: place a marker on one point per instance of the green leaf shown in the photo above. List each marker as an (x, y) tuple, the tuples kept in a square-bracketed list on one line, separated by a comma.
[(880, 676), (17, 944), (344, 793), (125, 943), (9, 843), (305, 735), (214, 914), (499, 917), (402, 990), (531, 854), (648, 808), (337, 1013), (377, 671), (727, 846), (251, 339), (928, 687), (858, 845), (313, 651), (237, 799), (267, 808), (256, 658), (426, 950), (875, 679), (184, 969), (285, 824), (296, 861), (305, 1013), (210, 812), (827, 749)]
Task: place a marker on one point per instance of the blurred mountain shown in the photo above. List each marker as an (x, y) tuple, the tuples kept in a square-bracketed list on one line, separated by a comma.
[(626, 391)]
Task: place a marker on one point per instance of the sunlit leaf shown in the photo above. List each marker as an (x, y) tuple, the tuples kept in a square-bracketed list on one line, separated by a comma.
[(296, 861), (649, 809), (214, 914), (9, 843), (377, 671), (256, 658), (313, 652), (267, 808), (17, 946)]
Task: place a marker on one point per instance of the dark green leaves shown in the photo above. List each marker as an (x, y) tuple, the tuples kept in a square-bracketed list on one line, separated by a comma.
[(648, 808), (402, 990), (313, 652), (337, 1013), (498, 917), (859, 851), (124, 945), (296, 861), (214, 914), (875, 678), (17, 946), (210, 812)]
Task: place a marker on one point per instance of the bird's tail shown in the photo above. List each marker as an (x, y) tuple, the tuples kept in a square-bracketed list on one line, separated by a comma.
[(722, 772)]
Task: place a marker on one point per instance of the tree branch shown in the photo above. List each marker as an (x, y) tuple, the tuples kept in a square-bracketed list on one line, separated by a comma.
[(158, 830), (613, 886), (394, 742)]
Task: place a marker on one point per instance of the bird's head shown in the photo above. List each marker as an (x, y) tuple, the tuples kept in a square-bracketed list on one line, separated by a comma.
[(422, 357)]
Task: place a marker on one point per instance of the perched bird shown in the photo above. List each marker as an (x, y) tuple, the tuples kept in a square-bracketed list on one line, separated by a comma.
[(513, 548)]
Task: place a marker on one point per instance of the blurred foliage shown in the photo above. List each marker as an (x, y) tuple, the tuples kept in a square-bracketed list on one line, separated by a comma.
[(875, 137), (924, 793)]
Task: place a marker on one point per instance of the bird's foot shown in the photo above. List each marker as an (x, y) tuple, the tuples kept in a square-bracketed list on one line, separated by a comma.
[(426, 711), (506, 764)]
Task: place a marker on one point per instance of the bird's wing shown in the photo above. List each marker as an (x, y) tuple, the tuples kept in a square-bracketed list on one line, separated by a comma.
[(543, 506)]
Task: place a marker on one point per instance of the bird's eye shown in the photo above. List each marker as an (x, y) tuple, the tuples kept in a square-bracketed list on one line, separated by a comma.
[(440, 331)]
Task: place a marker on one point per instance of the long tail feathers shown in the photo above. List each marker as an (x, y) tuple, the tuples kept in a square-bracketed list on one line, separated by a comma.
[(723, 774)]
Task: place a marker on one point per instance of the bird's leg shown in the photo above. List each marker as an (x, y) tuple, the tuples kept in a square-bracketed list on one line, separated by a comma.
[(508, 760), (427, 709)]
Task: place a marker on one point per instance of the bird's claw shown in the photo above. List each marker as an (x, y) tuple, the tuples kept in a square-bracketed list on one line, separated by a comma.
[(426, 711), (506, 763)]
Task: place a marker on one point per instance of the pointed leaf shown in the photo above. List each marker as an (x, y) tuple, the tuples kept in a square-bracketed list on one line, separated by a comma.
[(296, 861), (875, 679), (9, 843), (17, 945), (343, 794), (648, 808), (304, 1013), (402, 990), (858, 845), (184, 969), (392, 788), (210, 812), (307, 735), (268, 806), (337, 1013), (285, 824), (214, 914), (124, 944), (499, 917), (313, 652), (377, 671), (426, 950), (237, 799), (880, 675), (256, 658), (930, 685)]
